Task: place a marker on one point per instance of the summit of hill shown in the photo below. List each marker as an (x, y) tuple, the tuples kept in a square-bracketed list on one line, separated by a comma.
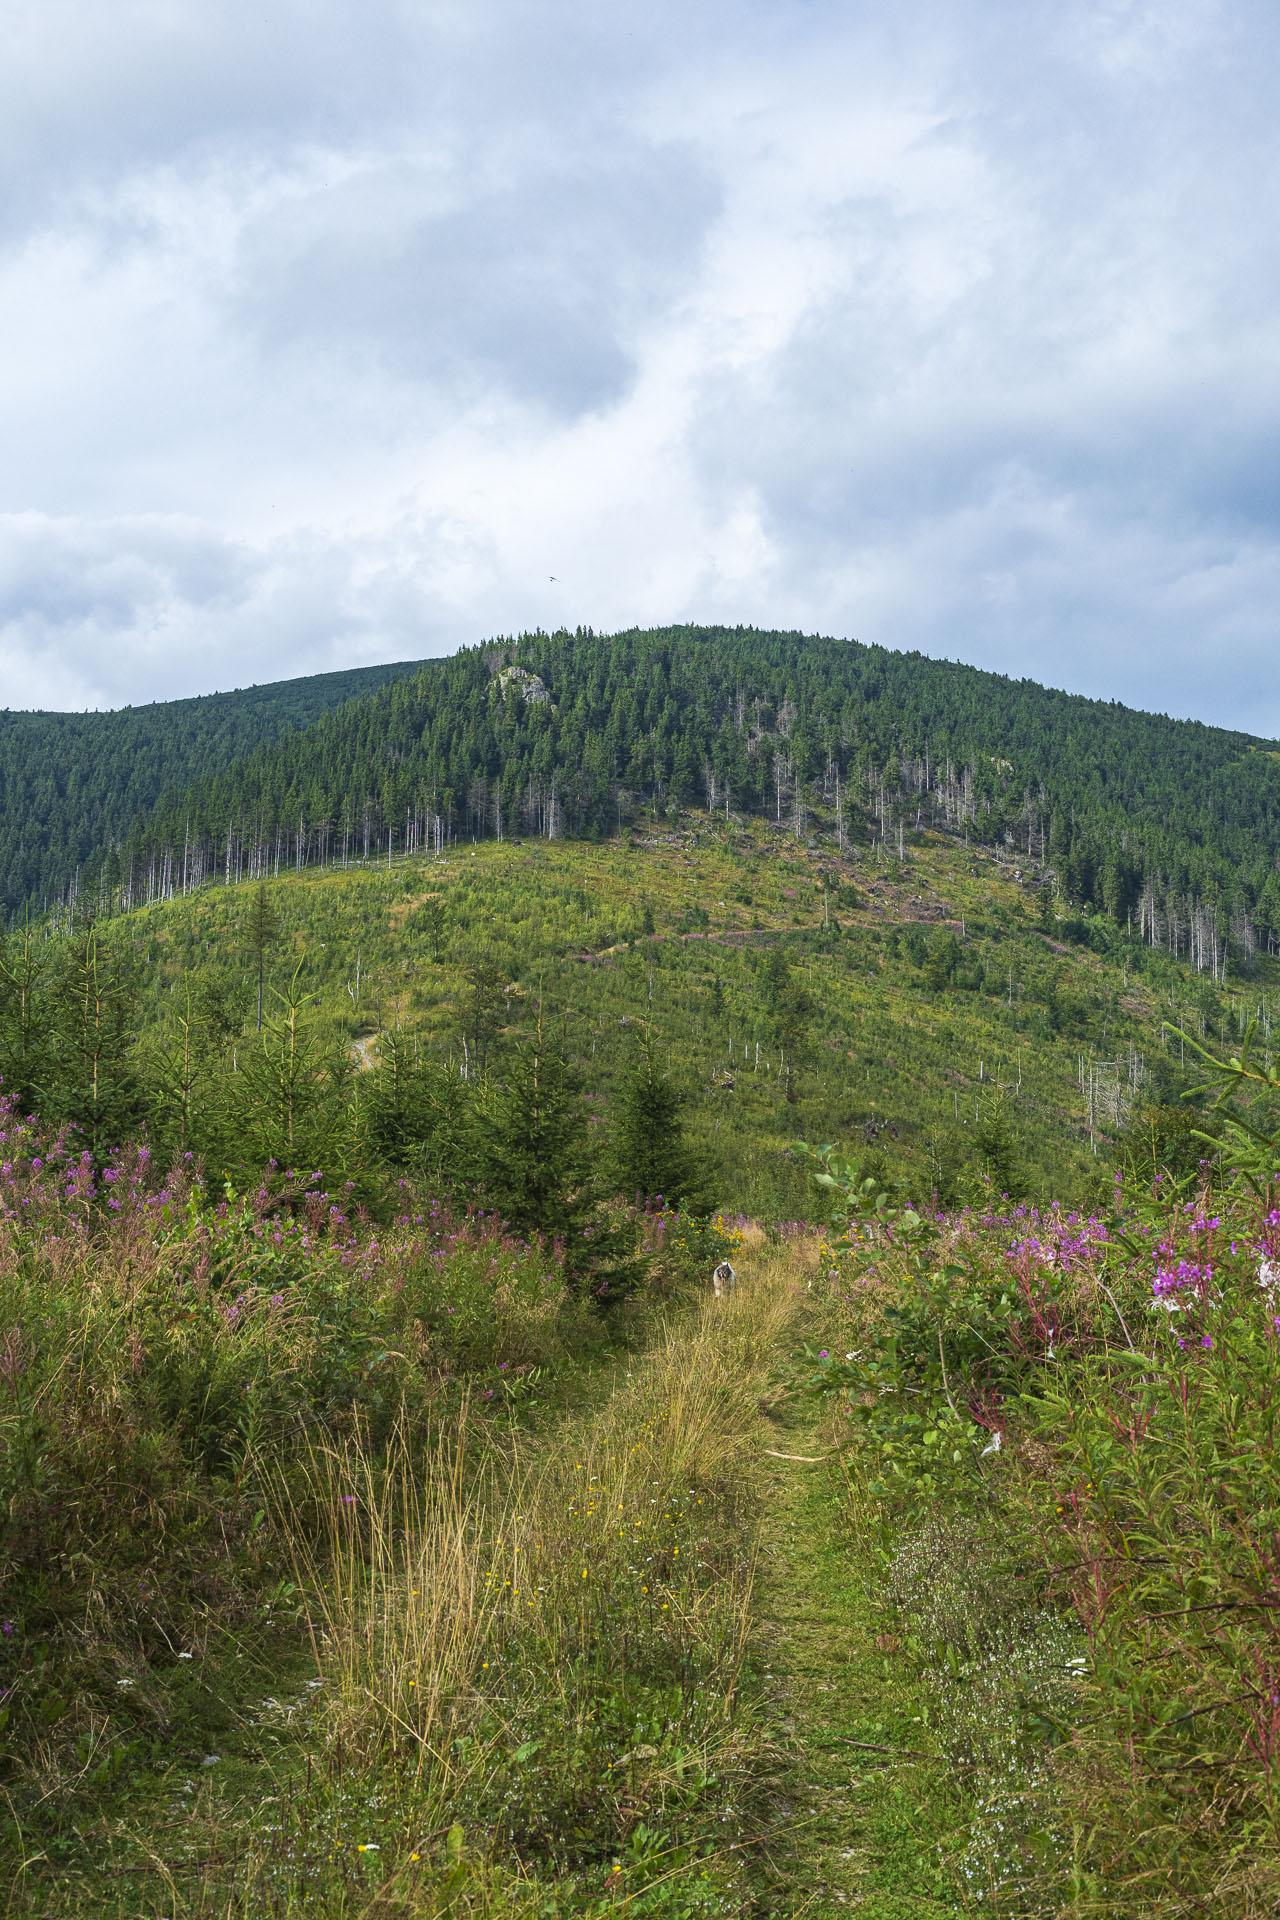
[(1169, 827)]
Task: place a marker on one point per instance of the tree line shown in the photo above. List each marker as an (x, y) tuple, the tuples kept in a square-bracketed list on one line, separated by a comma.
[(72, 784), (1169, 827)]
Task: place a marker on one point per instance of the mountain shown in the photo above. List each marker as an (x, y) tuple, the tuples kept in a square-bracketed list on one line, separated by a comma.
[(1169, 827), (73, 784), (848, 895), (1166, 825)]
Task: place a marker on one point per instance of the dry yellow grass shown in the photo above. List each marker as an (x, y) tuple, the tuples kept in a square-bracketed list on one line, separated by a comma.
[(464, 1612)]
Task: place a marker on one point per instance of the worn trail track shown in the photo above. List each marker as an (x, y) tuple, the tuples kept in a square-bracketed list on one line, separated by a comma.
[(864, 1812)]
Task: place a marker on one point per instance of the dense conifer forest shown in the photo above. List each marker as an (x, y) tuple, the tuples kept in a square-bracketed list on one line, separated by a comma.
[(1170, 827), (74, 783)]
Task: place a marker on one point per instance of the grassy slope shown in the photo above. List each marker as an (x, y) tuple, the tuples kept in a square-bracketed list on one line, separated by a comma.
[(590, 1746), (884, 1058)]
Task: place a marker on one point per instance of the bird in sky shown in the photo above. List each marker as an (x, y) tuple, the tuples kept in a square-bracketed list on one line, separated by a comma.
[(553, 578)]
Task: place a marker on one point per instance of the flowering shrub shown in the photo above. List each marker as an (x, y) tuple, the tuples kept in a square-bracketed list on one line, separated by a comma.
[(1090, 1408), (475, 1296), (937, 1348), (1081, 1415), (680, 1249)]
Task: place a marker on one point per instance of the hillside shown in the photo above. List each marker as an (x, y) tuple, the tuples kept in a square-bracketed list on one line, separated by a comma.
[(72, 784), (916, 1009), (1169, 827), (360, 1416), (347, 1553)]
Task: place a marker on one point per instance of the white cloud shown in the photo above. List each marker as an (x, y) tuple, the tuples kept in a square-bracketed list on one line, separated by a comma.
[(329, 335)]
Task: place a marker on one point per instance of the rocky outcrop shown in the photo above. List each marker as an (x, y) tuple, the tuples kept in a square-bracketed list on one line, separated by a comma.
[(519, 680)]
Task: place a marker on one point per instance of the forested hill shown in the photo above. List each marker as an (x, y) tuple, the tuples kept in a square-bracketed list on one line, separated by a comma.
[(1169, 825), (73, 784)]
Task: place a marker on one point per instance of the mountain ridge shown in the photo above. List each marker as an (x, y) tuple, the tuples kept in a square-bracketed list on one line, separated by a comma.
[(1169, 825), (71, 782)]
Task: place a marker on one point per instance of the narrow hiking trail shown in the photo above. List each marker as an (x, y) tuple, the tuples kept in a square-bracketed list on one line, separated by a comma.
[(865, 1801), (814, 1803)]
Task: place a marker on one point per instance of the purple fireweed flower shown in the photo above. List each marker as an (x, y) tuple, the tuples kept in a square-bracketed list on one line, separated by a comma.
[(1172, 1280)]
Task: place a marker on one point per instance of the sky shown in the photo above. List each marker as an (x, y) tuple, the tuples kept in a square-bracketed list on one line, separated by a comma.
[(337, 333)]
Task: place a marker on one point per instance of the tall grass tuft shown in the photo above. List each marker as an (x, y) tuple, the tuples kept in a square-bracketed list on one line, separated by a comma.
[(547, 1641)]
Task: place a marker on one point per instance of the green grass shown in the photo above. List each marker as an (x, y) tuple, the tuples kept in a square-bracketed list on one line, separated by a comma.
[(457, 1658), (849, 1042), (876, 1827), (608, 1659)]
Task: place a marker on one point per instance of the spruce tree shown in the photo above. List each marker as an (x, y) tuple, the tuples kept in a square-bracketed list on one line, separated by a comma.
[(92, 1078), (421, 1115), (264, 931), (26, 1018), (537, 1167), (286, 1101), (537, 1159), (996, 1150), (650, 1155), (484, 1012)]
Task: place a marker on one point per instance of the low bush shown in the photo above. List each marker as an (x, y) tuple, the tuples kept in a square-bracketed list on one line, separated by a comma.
[(680, 1249), (1068, 1426)]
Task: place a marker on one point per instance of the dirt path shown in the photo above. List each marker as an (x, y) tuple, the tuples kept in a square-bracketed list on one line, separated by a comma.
[(868, 1822), (365, 1052)]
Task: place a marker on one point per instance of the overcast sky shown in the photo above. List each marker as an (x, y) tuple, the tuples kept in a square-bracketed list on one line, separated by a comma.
[(330, 330)]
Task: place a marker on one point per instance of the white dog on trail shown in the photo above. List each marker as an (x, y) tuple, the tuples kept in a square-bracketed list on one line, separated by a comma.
[(723, 1280)]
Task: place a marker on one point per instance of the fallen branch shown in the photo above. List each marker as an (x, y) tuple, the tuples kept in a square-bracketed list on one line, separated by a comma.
[(868, 1746)]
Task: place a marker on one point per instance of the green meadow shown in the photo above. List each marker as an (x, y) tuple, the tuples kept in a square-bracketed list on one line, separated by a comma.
[(929, 1009), (366, 1550)]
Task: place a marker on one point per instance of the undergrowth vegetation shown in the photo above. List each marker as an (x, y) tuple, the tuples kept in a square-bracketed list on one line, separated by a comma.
[(934, 1009), (346, 1564), (1062, 1450)]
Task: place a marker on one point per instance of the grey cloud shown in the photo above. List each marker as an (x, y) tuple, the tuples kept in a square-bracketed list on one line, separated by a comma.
[(102, 572), (108, 612), (330, 333), (538, 285), (90, 95), (1035, 424)]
